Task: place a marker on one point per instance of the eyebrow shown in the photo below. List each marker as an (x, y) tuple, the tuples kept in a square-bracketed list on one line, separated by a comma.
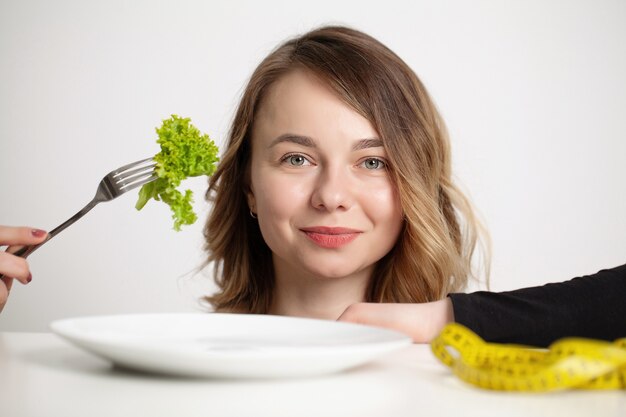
[(310, 143), (297, 139)]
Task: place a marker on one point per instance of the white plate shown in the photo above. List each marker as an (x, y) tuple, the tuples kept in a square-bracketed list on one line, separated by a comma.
[(229, 345)]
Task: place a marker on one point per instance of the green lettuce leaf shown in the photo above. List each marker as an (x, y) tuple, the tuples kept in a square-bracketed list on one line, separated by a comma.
[(185, 152)]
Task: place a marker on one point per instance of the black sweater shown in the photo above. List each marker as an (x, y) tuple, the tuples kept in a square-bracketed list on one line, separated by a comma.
[(592, 306)]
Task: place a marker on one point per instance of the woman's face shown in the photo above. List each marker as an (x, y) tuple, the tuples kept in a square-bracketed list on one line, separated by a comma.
[(325, 203)]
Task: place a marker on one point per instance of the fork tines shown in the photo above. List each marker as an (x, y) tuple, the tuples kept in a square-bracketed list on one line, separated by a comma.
[(135, 174)]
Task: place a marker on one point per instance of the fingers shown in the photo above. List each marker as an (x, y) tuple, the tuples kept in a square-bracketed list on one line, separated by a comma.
[(410, 319), (8, 283), (5, 287), (356, 313), (10, 235), (15, 267), (372, 314), (12, 266)]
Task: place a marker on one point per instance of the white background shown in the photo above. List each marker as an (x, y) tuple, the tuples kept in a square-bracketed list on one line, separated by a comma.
[(533, 93)]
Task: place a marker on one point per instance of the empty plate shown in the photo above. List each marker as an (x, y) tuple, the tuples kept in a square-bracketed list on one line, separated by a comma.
[(229, 345)]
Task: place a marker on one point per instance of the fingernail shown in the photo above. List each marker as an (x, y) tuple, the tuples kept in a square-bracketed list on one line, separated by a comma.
[(30, 278), (38, 232)]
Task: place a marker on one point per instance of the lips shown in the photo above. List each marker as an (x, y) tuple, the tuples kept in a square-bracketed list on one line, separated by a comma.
[(330, 237)]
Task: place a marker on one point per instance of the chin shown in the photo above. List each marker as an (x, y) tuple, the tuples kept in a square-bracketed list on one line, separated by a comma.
[(327, 276), (332, 273)]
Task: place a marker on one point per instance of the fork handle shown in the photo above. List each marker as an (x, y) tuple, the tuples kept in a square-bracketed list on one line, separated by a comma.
[(27, 250)]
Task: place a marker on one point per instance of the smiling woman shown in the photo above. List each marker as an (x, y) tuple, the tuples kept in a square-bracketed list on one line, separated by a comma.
[(326, 205), (335, 187)]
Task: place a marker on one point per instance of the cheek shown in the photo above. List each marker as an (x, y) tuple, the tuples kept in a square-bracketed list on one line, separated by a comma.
[(382, 203), (278, 196), (280, 200)]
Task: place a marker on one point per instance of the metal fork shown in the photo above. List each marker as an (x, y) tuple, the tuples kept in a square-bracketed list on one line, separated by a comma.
[(113, 185)]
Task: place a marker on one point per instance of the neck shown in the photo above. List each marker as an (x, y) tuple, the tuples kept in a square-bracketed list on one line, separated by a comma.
[(303, 295)]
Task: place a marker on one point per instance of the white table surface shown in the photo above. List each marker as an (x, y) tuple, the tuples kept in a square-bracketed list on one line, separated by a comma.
[(43, 375)]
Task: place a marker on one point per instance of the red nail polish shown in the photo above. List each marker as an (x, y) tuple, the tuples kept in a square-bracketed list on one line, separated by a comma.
[(30, 278), (38, 232)]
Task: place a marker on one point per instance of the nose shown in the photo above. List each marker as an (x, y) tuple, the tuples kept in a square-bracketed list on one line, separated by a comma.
[(334, 189)]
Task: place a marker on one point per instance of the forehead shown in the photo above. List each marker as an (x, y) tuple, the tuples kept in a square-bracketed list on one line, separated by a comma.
[(300, 102), (293, 86)]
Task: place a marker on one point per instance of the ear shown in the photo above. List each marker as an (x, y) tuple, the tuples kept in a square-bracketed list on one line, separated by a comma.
[(250, 198), (248, 188)]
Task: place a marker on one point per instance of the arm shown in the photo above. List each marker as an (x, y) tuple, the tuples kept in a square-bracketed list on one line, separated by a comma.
[(591, 306)]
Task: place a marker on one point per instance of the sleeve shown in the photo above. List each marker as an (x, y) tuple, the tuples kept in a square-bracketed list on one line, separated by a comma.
[(592, 306)]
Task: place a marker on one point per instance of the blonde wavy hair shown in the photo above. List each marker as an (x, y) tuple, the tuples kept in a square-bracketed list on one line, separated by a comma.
[(433, 255)]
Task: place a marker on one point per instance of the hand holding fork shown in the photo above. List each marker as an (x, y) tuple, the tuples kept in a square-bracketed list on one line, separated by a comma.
[(114, 184)]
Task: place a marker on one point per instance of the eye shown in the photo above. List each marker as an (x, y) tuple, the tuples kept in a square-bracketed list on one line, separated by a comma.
[(374, 164), (295, 160)]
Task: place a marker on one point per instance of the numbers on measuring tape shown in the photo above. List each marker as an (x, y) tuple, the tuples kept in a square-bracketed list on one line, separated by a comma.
[(569, 363)]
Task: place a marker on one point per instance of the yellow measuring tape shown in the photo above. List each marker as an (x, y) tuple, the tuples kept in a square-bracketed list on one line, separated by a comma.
[(569, 363)]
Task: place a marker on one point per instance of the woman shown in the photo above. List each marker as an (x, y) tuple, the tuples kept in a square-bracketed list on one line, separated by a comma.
[(335, 131), (334, 199)]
